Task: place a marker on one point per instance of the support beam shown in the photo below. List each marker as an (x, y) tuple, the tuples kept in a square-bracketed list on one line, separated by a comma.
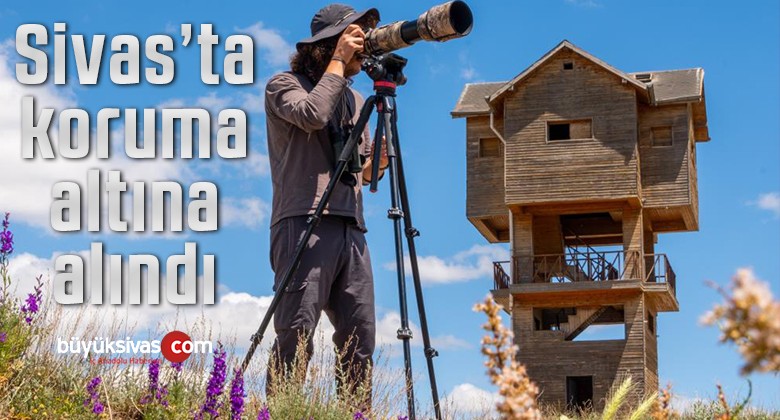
[(633, 243), (521, 238)]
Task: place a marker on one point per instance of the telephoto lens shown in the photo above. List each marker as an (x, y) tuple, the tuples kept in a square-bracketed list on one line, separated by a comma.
[(439, 23)]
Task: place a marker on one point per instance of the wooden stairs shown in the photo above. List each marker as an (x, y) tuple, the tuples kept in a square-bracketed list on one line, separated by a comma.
[(579, 321)]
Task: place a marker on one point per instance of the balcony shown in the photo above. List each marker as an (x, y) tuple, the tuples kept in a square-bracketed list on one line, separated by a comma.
[(585, 270)]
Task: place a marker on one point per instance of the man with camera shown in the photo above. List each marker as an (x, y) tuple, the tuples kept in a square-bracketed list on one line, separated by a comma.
[(310, 111)]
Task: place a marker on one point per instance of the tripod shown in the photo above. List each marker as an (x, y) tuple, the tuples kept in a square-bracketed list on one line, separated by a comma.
[(387, 72)]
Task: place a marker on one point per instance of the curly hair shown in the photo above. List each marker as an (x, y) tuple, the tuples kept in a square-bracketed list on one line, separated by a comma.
[(311, 60)]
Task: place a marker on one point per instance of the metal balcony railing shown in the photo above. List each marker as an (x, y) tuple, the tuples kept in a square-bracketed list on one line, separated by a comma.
[(501, 279), (659, 270), (576, 266)]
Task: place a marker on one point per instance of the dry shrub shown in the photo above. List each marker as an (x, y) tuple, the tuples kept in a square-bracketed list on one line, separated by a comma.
[(518, 393)]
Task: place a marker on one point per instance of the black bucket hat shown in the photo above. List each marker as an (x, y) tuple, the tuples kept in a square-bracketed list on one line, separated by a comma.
[(331, 20)]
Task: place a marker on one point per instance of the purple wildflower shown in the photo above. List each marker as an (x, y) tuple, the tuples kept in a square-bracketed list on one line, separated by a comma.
[(97, 408), (264, 414), (156, 391), (3, 336), (215, 385), (177, 366), (94, 396), (358, 416), (6, 239), (237, 395), (33, 302)]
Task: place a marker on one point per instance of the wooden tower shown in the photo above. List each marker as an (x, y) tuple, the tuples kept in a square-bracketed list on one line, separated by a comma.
[(579, 166)]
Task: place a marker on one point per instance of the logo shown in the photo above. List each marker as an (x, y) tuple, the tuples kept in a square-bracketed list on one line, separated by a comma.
[(176, 346)]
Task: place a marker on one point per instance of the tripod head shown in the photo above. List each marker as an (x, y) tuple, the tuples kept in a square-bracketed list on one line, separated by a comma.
[(385, 68)]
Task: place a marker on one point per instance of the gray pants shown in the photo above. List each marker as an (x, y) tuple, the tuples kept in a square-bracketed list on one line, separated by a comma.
[(334, 276)]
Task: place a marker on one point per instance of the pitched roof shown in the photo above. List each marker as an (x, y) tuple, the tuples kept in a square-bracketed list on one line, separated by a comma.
[(566, 45), (661, 87), (473, 99), (674, 85)]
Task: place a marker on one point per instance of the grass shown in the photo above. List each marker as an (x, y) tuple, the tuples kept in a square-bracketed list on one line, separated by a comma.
[(38, 383)]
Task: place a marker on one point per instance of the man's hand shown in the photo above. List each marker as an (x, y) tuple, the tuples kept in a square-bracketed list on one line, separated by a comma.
[(349, 44), (383, 159), (369, 165)]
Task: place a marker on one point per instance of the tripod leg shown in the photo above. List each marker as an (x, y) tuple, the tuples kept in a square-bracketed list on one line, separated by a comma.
[(411, 233), (352, 143), (395, 213)]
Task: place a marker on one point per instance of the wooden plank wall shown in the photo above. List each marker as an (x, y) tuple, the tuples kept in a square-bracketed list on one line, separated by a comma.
[(547, 234), (633, 360), (603, 167), (484, 175), (651, 353), (693, 183), (633, 233), (665, 168), (522, 246), (549, 359)]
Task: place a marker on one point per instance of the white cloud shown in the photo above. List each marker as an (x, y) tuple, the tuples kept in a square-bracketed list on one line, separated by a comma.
[(475, 263), (222, 318), (387, 329), (468, 73), (234, 318), (276, 49), (246, 212), (468, 401), (172, 29), (256, 164), (26, 184), (769, 201)]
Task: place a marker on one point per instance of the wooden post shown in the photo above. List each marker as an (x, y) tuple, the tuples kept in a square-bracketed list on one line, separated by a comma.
[(521, 238), (649, 250), (633, 243)]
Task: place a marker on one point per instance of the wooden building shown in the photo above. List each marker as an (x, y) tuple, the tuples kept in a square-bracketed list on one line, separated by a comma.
[(579, 166)]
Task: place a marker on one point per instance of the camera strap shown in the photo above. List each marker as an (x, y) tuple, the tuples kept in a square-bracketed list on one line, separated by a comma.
[(339, 130)]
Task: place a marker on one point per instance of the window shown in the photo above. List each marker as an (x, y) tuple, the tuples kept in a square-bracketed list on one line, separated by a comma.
[(569, 130), (662, 136), (568, 65), (490, 147)]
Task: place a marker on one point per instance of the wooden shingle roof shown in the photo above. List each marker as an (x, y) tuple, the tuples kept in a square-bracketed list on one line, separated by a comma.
[(671, 86), (473, 99), (660, 87)]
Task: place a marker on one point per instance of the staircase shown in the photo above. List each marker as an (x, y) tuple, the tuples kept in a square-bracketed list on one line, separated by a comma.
[(579, 321), (590, 265)]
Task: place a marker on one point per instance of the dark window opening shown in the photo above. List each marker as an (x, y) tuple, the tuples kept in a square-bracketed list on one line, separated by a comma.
[(568, 65), (579, 392), (651, 322), (580, 129), (662, 136), (490, 147), (550, 319), (558, 132)]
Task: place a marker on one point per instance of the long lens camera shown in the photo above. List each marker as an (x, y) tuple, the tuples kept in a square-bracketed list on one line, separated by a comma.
[(439, 23)]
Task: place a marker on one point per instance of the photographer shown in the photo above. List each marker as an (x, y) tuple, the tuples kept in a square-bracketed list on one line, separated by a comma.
[(310, 110)]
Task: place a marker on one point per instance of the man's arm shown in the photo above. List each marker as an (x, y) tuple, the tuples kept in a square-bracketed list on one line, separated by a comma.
[(310, 111)]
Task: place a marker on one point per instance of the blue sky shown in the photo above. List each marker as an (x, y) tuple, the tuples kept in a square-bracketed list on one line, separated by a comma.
[(739, 176)]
